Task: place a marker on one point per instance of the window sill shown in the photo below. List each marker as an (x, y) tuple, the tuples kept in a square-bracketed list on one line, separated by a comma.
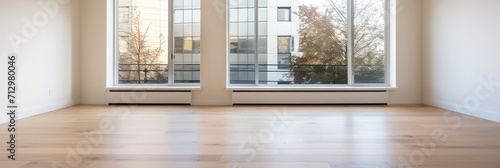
[(153, 87), (310, 88)]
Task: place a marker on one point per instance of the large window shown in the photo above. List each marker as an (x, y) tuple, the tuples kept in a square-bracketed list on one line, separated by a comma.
[(157, 43), (334, 42)]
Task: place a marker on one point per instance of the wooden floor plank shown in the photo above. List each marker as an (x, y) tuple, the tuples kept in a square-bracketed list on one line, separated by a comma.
[(253, 137)]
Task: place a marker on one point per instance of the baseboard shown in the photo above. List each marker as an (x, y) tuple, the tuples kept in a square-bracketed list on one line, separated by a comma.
[(33, 111), (93, 101), (212, 102), (476, 112)]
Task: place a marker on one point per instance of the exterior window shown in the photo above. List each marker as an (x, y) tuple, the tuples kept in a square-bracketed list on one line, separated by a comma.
[(285, 44), (124, 14), (284, 13), (144, 55), (285, 48), (337, 42)]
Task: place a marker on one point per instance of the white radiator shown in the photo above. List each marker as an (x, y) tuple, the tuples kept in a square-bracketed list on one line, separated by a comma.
[(150, 97), (310, 97)]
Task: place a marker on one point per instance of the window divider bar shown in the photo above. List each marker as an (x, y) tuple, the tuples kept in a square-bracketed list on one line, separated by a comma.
[(170, 42), (256, 34), (350, 42)]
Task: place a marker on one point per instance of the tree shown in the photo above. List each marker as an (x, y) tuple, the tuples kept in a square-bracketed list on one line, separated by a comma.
[(141, 57), (324, 43)]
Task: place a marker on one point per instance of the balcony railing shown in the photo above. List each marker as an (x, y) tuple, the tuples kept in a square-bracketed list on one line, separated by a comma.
[(245, 74), (305, 74)]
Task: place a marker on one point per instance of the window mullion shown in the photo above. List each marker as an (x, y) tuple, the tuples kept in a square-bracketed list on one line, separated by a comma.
[(256, 28), (116, 54), (350, 42), (170, 42)]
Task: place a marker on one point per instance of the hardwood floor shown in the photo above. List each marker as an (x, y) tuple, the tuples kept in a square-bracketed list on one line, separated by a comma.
[(253, 137)]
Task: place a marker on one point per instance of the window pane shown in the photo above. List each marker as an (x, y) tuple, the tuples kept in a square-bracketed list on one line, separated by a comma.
[(188, 16), (251, 14), (188, 30), (179, 45), (187, 44), (233, 29), (178, 30), (243, 29), (233, 45), (321, 56), (196, 16), (369, 41), (263, 44), (196, 29), (262, 14), (243, 15), (284, 45), (284, 14), (306, 42), (262, 3), (124, 14), (242, 3), (142, 52), (233, 15), (178, 16), (188, 4), (196, 4), (178, 4)]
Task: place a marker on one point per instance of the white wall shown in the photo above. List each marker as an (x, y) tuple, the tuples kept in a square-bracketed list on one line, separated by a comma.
[(93, 64), (461, 47), (213, 66), (408, 52), (48, 55)]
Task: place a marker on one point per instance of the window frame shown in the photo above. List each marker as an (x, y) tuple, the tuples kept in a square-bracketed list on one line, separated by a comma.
[(113, 36), (289, 9), (389, 57)]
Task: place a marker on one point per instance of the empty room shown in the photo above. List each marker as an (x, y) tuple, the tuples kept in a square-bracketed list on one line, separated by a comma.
[(250, 83)]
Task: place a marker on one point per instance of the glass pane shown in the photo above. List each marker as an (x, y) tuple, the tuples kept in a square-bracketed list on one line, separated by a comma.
[(188, 4), (243, 45), (284, 45), (233, 29), (262, 3), (178, 16), (263, 44), (196, 45), (251, 45), (196, 4), (321, 35), (233, 3), (178, 30), (284, 14), (187, 43), (196, 29), (251, 29), (369, 41), (196, 16), (233, 15), (243, 15), (242, 3), (143, 53), (188, 29), (243, 29), (262, 14), (262, 28), (251, 14), (178, 4), (188, 16), (251, 3), (233, 45), (178, 44)]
